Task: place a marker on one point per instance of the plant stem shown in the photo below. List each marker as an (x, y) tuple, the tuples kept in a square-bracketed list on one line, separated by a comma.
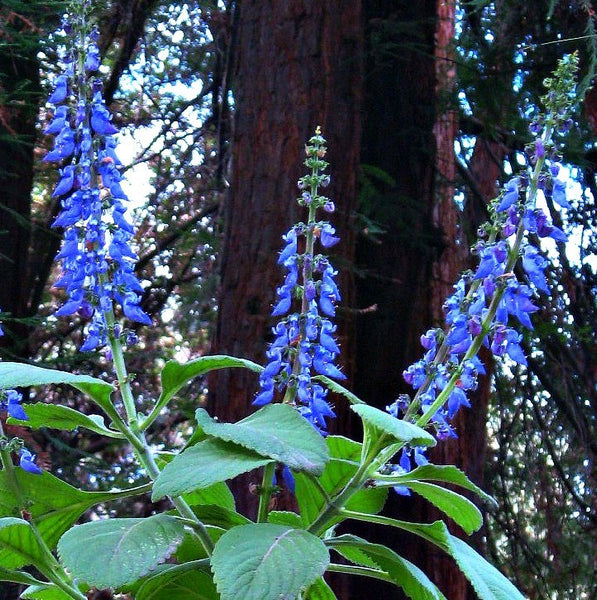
[(265, 492), (137, 438)]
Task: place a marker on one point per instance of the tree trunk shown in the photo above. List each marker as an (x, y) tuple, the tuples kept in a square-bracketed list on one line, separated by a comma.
[(409, 132), (297, 66), (20, 93)]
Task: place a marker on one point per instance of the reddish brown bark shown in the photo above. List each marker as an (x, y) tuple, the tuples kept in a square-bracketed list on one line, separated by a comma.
[(298, 66)]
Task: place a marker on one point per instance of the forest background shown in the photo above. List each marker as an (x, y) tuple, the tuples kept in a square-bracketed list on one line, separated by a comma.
[(426, 107)]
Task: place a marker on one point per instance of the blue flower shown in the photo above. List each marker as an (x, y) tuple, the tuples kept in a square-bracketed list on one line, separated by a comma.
[(304, 343), (11, 403), (60, 91), (534, 264), (559, 193), (510, 194), (27, 462), (97, 258)]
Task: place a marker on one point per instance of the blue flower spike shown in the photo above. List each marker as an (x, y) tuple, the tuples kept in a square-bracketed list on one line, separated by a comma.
[(489, 304), (97, 258), (304, 344)]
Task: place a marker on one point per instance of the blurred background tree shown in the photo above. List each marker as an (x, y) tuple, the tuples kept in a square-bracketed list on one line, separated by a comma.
[(425, 107)]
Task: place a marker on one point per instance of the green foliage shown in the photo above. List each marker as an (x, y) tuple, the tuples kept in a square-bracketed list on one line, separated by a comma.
[(397, 569), (266, 560), (18, 545), (127, 548), (62, 417), (276, 431)]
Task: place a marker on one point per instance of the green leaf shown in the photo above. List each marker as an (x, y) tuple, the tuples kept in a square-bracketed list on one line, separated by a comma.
[(320, 590), (263, 561), (218, 494), (284, 517), (403, 573), (175, 375), (443, 473), (189, 581), (457, 507), (204, 464), (56, 416), (344, 462), (44, 591), (18, 577), (218, 516), (53, 504), (22, 375), (122, 551), (277, 431), (18, 545), (487, 581), (402, 431)]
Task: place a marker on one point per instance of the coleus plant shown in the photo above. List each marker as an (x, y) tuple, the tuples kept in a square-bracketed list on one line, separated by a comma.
[(203, 548)]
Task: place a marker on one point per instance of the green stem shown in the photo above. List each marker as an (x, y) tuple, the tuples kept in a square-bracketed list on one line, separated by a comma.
[(137, 439), (265, 492), (335, 506)]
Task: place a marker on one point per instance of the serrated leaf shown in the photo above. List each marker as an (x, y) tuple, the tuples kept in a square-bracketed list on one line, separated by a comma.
[(18, 577), (401, 431), (217, 494), (343, 464), (218, 516), (22, 375), (18, 545), (263, 561), (175, 375), (443, 473), (487, 581), (204, 464), (277, 431), (285, 517), (44, 592), (320, 590), (53, 504), (123, 550), (181, 582), (455, 506), (55, 416), (403, 573)]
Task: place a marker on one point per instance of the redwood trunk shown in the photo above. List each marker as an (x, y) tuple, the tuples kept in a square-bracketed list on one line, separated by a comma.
[(409, 133), (298, 66)]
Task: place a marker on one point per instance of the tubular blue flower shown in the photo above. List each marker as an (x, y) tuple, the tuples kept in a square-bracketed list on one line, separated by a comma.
[(534, 264), (27, 462), (97, 258), (559, 193), (11, 403), (510, 194)]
